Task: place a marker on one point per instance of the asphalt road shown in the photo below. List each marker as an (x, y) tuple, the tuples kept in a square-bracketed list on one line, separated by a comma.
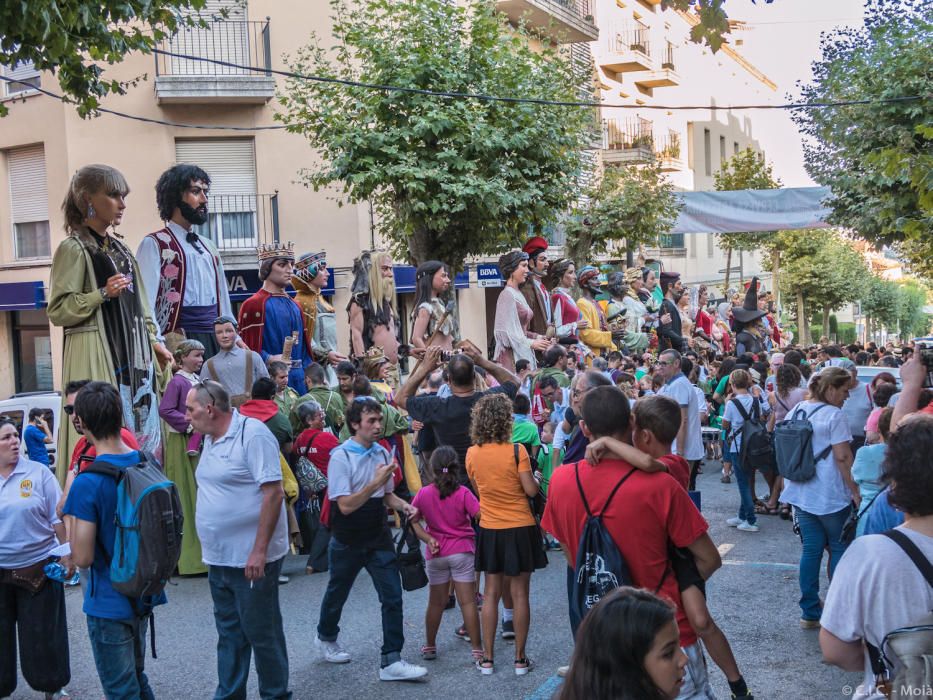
[(753, 597)]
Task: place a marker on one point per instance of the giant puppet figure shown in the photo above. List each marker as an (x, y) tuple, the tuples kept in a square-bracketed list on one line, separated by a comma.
[(536, 294), (372, 309), (596, 336), (271, 322), (748, 322), (433, 321), (320, 320), (181, 270)]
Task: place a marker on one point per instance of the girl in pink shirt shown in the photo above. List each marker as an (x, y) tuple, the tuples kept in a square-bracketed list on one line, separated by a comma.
[(447, 509)]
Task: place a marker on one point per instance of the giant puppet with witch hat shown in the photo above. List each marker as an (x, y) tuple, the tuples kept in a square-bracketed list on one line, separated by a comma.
[(748, 323), (271, 322)]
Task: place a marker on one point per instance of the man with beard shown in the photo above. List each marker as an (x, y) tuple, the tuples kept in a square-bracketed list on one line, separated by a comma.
[(534, 291), (596, 336), (181, 270), (271, 317), (670, 331), (372, 309)]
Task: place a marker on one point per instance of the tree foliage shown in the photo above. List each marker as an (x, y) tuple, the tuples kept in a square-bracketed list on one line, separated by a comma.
[(912, 320), (628, 207), (879, 303), (448, 178), (714, 23), (73, 39), (877, 158)]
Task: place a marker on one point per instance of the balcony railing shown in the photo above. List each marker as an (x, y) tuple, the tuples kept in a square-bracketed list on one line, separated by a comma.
[(627, 134), (667, 57), (567, 21), (234, 42), (633, 39), (668, 147), (242, 221)]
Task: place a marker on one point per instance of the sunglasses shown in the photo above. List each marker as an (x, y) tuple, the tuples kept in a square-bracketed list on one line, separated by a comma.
[(69, 409), (210, 393)]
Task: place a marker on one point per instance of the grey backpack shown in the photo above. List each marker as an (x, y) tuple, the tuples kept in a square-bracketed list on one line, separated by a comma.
[(911, 646), (793, 446)]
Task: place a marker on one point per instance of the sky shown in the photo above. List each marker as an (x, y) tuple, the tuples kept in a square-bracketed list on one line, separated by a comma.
[(782, 42)]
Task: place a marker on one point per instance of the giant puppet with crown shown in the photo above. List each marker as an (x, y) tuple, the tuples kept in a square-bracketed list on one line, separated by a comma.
[(271, 322)]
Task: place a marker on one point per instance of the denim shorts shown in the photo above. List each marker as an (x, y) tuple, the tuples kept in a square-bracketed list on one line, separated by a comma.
[(459, 567)]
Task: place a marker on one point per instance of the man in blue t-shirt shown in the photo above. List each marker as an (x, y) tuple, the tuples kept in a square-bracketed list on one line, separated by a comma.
[(114, 622), (36, 436)]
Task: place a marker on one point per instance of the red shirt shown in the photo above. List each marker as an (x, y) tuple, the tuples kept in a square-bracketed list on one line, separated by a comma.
[(647, 511), (316, 446), (927, 409), (678, 468), (83, 454)]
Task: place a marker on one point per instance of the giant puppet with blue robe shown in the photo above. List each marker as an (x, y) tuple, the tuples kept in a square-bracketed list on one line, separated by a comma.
[(271, 317)]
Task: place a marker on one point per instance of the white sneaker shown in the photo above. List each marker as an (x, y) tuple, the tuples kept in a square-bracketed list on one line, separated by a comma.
[(331, 652), (734, 522), (402, 671), (747, 527)]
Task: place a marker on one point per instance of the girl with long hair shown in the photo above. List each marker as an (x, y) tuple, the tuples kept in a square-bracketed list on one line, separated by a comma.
[(509, 545), (628, 648), (447, 509)]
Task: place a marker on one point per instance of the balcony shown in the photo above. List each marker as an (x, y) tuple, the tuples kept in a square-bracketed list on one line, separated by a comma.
[(627, 50), (667, 151), (194, 81), (237, 223), (563, 21), (666, 77), (627, 141)]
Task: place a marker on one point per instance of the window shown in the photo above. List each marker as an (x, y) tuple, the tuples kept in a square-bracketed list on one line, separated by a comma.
[(707, 152), (722, 151), (671, 240), (24, 72), (29, 203), (33, 351), (231, 163), (710, 243), (735, 148)]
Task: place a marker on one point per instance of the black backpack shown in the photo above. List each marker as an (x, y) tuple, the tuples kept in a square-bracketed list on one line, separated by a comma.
[(757, 451), (600, 567)]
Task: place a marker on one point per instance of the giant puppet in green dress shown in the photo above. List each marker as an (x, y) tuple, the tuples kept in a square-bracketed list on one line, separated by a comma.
[(96, 296)]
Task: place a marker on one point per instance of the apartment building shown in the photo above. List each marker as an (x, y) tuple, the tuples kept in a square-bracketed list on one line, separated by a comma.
[(255, 196), (644, 60)]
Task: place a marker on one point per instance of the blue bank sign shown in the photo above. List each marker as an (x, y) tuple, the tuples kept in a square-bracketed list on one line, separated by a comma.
[(488, 275)]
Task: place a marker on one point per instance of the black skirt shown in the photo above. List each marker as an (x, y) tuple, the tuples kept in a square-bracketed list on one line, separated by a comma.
[(510, 551)]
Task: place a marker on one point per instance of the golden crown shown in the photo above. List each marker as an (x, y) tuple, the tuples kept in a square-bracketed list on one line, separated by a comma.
[(269, 251)]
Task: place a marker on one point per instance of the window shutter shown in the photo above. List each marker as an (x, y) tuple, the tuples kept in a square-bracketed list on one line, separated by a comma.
[(28, 192), (23, 70), (231, 163)]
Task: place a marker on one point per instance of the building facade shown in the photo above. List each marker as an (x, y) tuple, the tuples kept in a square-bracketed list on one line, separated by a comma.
[(255, 196)]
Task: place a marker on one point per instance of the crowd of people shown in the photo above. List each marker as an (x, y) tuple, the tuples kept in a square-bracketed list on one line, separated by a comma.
[(594, 411)]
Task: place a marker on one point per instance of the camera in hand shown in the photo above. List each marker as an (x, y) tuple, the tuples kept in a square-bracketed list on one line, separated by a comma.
[(447, 354), (926, 356)]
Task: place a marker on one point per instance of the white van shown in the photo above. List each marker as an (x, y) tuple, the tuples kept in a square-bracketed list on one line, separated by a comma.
[(17, 408)]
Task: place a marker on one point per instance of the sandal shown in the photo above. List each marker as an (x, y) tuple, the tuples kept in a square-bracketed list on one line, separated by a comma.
[(726, 478), (784, 511), (765, 509), (485, 666), (523, 666), (477, 655), (428, 653)]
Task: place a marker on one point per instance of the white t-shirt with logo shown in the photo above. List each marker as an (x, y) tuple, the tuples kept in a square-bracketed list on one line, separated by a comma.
[(876, 589), (826, 492), (681, 390)]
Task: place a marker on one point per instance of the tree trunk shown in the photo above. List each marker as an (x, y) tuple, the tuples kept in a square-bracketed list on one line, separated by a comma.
[(419, 246), (803, 327), (725, 286), (826, 322)]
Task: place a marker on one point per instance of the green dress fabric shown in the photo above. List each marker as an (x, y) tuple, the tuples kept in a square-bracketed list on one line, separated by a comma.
[(75, 305), (180, 468), (332, 403)]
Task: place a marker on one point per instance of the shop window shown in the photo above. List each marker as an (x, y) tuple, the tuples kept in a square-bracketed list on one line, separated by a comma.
[(32, 351)]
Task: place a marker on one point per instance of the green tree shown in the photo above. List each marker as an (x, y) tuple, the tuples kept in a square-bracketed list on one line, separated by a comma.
[(747, 170), (879, 305), (877, 158), (73, 39), (448, 178), (630, 206), (912, 320), (822, 271)]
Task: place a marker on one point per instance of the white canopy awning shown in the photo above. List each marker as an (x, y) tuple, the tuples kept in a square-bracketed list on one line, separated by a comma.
[(738, 211)]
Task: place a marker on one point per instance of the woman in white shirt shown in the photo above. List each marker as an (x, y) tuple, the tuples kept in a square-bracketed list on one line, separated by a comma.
[(822, 504)]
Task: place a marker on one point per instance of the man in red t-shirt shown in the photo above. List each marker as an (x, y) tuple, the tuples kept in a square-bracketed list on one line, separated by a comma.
[(648, 511)]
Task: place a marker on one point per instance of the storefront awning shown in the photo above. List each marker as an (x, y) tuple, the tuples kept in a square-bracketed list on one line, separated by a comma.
[(22, 296)]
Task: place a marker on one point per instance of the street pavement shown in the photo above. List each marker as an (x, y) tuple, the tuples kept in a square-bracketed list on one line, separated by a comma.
[(753, 597)]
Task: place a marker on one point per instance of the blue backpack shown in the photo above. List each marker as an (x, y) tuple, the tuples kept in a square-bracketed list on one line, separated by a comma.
[(600, 567), (148, 521)]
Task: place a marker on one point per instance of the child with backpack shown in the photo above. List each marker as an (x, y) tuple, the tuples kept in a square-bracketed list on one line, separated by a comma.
[(744, 411), (655, 422), (447, 509), (117, 620)]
